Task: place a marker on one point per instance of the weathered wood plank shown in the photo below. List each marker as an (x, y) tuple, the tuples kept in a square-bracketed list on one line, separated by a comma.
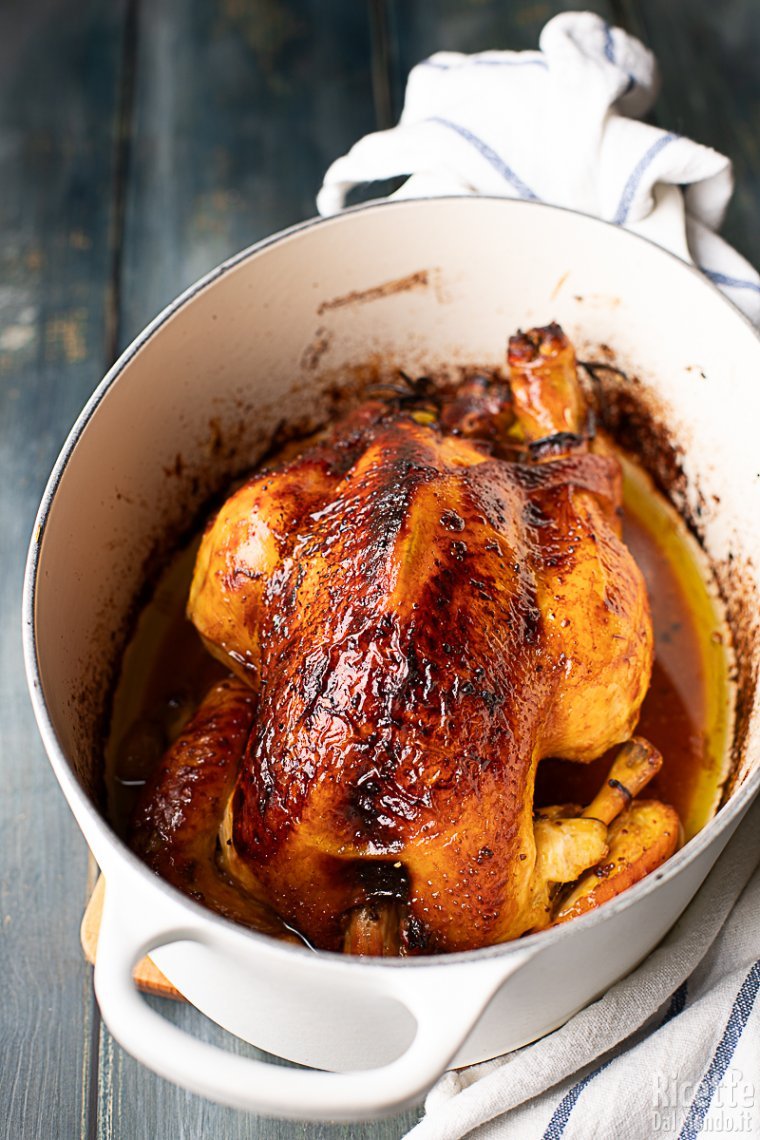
[(417, 29), (708, 57), (239, 108), (133, 1102), (58, 99)]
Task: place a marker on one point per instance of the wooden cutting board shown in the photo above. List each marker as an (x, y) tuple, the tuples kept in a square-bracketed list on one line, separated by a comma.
[(148, 977)]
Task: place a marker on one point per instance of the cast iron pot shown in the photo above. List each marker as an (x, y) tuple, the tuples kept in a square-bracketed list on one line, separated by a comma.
[(262, 340)]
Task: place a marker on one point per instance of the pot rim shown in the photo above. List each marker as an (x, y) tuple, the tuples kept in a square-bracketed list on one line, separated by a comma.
[(76, 795)]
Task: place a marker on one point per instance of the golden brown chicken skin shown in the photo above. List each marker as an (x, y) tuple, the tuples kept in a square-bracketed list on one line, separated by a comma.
[(424, 604)]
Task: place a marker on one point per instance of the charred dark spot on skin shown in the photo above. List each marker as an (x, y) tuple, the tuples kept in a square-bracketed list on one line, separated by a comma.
[(416, 937), (382, 879), (452, 521), (375, 813), (558, 444)]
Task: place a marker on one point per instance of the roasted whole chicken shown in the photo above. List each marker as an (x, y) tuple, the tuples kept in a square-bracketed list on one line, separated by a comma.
[(416, 608)]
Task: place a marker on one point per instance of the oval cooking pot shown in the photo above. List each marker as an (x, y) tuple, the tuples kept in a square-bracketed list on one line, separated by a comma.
[(265, 339)]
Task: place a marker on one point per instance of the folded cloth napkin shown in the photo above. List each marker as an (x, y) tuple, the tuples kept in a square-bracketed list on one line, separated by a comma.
[(671, 1050), (559, 125)]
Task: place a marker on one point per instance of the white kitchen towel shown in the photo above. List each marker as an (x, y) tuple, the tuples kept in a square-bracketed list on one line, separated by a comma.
[(673, 1050), (558, 125)]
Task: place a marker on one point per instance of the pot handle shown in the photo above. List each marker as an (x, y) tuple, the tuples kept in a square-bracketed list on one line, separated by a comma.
[(444, 1015)]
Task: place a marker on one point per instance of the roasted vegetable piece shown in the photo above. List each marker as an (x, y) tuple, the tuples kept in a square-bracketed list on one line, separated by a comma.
[(632, 838), (640, 839)]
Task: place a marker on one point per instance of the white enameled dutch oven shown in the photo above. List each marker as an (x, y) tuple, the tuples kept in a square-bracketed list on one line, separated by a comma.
[(265, 339)]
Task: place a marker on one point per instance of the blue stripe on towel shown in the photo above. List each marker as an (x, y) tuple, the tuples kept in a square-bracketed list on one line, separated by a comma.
[(609, 44), (737, 1021), (634, 178), (490, 155), (609, 53), (677, 1003), (556, 1126), (729, 282), (531, 61)]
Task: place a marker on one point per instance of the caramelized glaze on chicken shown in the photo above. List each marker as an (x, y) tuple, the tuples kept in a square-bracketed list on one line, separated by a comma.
[(418, 608)]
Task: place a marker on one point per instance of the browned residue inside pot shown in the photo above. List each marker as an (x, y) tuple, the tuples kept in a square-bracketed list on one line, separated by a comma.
[(419, 280), (739, 593)]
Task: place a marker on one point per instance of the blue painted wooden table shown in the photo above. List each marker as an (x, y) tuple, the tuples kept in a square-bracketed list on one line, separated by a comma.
[(141, 142)]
